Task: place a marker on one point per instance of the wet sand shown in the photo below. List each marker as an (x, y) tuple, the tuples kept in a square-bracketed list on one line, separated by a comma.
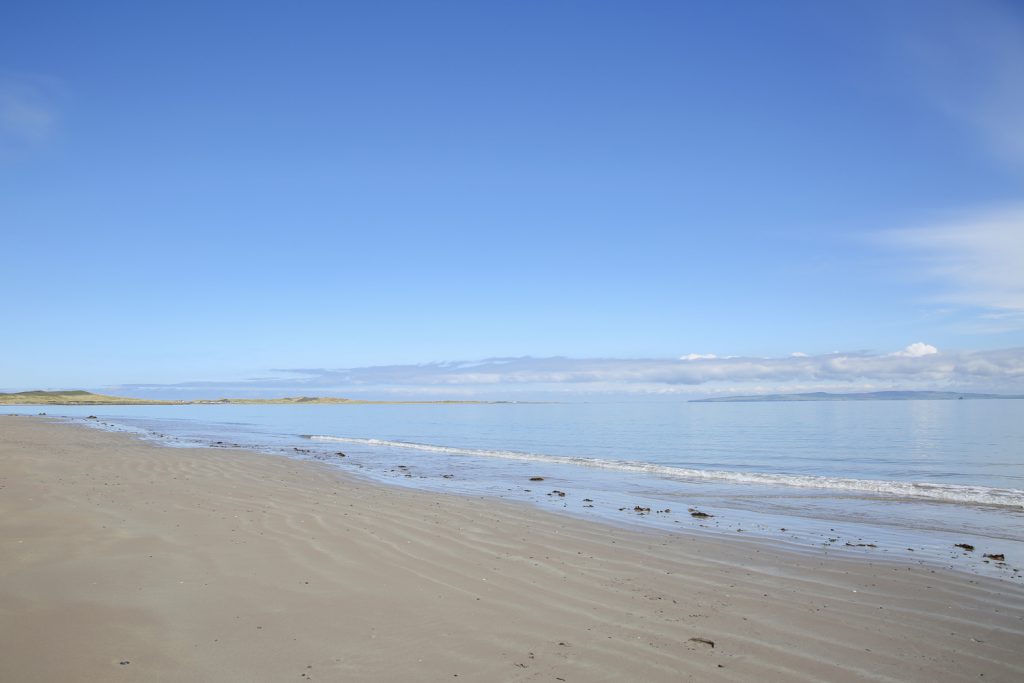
[(121, 560)]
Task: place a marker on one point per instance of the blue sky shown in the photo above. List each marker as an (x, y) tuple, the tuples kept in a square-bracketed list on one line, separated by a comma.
[(191, 193)]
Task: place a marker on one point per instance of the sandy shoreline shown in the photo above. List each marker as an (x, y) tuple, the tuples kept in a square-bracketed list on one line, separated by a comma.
[(208, 564)]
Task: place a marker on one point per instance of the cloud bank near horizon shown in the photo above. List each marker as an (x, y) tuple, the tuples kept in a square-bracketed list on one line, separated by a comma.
[(918, 366)]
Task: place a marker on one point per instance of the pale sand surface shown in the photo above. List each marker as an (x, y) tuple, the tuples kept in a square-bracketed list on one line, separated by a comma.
[(219, 565)]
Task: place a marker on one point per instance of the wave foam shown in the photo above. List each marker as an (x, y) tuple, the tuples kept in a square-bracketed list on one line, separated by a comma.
[(950, 493)]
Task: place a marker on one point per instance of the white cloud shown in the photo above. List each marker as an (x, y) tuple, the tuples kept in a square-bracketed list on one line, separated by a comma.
[(698, 356), (916, 350)]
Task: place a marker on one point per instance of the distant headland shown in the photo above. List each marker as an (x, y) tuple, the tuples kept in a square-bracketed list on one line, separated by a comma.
[(866, 396), (86, 398)]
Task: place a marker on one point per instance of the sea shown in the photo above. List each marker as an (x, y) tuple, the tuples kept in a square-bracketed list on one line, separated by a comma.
[(935, 482)]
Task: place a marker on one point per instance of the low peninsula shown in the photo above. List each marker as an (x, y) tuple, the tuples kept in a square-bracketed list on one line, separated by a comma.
[(864, 396)]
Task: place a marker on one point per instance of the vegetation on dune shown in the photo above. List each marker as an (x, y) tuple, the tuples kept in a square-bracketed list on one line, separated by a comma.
[(86, 398), (76, 397)]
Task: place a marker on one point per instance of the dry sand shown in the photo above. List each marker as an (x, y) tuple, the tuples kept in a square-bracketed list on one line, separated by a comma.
[(122, 561)]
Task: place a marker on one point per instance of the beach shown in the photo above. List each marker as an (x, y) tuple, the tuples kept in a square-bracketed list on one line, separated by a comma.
[(122, 560)]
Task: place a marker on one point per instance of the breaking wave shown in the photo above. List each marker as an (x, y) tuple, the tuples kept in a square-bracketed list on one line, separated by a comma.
[(950, 493)]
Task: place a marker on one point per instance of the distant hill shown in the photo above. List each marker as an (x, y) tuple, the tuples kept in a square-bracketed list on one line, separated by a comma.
[(86, 398), (868, 396)]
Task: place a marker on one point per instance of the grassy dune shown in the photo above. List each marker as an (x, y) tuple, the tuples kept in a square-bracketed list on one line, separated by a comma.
[(86, 398), (66, 398)]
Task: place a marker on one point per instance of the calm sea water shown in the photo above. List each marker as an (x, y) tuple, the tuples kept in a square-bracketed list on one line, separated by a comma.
[(896, 475)]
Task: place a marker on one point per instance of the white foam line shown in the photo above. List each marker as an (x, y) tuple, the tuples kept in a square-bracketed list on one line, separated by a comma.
[(953, 493)]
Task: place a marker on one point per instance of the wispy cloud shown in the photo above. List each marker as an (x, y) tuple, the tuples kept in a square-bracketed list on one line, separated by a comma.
[(28, 109), (917, 366), (975, 260), (972, 62)]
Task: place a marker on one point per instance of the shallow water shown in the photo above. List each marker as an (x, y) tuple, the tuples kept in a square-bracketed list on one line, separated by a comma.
[(896, 475)]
